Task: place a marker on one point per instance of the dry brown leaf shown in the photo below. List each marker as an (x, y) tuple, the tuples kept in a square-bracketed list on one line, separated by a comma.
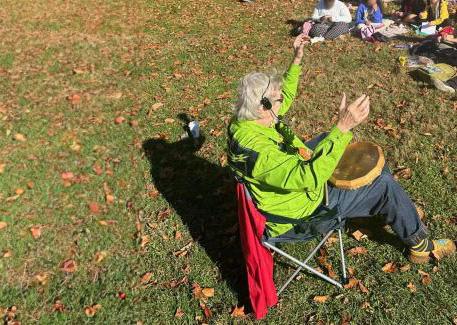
[(68, 266), (238, 312), (97, 169), (365, 305), (133, 123), (42, 278), (3, 225), (179, 313), (145, 278), (357, 250), (36, 231), (79, 70), (74, 99), (90, 311), (420, 212), (107, 222), (352, 283), (169, 120), (100, 256), (320, 299), (7, 253), (202, 293), (156, 106), (362, 287), (224, 95), (119, 120), (426, 278), (58, 306), (19, 191), (404, 173), (109, 199), (20, 137), (206, 311), (30, 185), (144, 241), (405, 268), (116, 95), (183, 251), (389, 267), (2, 168), (94, 208), (358, 235), (411, 287)]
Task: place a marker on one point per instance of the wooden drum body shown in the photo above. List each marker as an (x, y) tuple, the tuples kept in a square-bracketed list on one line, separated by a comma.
[(360, 165)]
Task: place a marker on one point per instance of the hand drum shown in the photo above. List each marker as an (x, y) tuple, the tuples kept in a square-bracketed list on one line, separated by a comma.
[(361, 164)]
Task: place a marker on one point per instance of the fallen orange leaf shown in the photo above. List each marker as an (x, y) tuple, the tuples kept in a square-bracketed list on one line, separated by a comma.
[(42, 278), (100, 256), (357, 250), (3, 225), (238, 312), (119, 120), (179, 313), (90, 311), (20, 137), (58, 306), (36, 231), (389, 267), (358, 235), (411, 287), (320, 299), (68, 266), (94, 207), (426, 278), (352, 283), (146, 277)]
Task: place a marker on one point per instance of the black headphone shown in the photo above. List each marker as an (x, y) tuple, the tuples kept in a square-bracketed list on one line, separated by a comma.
[(265, 101)]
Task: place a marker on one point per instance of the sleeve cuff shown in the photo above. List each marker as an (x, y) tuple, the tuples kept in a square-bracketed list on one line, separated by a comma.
[(337, 135)]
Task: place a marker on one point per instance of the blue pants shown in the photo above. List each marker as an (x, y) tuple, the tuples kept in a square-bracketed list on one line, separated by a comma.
[(384, 197)]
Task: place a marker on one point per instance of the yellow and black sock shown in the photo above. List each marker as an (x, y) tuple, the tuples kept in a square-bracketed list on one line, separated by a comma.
[(425, 245)]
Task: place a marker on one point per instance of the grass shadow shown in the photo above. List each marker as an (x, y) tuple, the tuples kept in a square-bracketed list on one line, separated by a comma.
[(202, 194)]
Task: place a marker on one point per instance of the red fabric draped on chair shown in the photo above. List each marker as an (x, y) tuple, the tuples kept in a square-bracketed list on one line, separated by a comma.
[(258, 259)]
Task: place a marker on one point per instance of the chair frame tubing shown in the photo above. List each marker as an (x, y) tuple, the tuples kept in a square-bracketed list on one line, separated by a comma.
[(303, 264)]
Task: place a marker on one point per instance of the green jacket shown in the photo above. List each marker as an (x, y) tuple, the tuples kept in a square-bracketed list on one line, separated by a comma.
[(280, 180)]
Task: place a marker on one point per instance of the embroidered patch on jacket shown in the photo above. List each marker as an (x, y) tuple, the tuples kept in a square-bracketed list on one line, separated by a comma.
[(305, 153)]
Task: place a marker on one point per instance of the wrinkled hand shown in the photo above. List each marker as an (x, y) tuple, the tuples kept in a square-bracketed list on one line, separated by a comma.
[(299, 44), (354, 114)]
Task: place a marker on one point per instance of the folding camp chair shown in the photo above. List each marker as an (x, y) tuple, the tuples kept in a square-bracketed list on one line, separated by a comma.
[(323, 223)]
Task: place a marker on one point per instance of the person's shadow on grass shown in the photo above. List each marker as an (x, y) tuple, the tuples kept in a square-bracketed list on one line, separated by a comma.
[(203, 195)]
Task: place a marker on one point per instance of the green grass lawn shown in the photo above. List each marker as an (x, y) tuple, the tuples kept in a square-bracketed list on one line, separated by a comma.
[(91, 159)]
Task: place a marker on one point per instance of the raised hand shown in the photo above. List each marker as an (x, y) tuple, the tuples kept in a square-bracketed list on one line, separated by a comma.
[(354, 114), (299, 44)]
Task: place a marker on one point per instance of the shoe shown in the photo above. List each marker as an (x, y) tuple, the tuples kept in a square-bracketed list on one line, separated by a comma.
[(442, 248), (441, 85)]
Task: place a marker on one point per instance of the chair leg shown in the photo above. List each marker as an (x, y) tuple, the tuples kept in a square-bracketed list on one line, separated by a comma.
[(303, 265), (343, 259), (310, 256)]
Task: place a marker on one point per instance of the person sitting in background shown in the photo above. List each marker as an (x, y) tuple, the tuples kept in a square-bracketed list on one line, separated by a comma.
[(410, 10), (332, 19), (287, 178), (435, 13), (369, 13)]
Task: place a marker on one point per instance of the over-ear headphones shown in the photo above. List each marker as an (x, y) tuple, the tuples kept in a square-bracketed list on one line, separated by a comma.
[(265, 101)]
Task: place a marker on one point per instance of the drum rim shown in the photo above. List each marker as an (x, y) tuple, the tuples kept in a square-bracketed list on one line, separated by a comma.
[(366, 179)]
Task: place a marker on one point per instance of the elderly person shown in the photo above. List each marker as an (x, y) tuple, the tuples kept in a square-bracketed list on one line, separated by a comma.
[(332, 18), (288, 178)]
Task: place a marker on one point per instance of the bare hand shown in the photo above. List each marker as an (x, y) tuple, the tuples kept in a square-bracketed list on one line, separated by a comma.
[(299, 44), (354, 114)]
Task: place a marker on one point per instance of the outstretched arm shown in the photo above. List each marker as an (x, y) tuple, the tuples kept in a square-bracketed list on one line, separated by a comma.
[(291, 77)]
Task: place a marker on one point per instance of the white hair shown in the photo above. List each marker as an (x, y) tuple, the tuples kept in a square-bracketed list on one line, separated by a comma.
[(250, 91)]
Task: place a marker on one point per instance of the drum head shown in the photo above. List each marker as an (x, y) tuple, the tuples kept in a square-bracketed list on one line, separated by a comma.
[(361, 163)]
